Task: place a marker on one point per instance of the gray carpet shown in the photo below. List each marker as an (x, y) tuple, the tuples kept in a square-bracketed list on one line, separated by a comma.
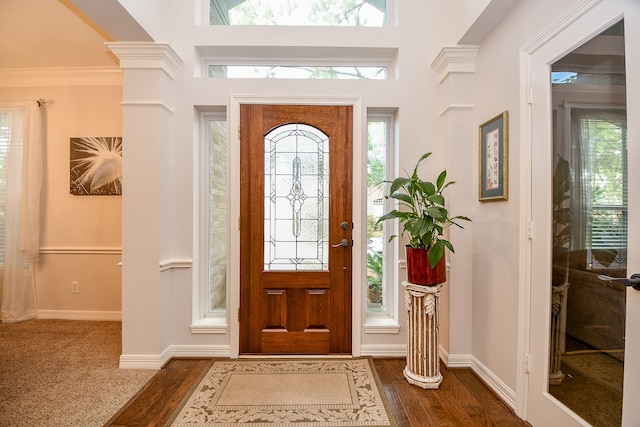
[(63, 373)]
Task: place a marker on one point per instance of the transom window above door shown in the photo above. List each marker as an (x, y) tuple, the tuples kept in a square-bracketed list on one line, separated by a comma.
[(335, 13), (298, 72), (296, 62)]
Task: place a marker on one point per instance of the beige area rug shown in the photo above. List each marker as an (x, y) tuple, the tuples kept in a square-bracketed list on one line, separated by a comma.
[(63, 373), (305, 393)]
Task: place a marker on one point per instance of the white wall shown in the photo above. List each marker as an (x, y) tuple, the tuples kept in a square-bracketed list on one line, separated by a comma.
[(160, 218), (498, 231), (162, 227), (80, 235)]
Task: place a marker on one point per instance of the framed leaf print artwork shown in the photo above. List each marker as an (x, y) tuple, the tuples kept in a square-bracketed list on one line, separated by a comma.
[(96, 165)]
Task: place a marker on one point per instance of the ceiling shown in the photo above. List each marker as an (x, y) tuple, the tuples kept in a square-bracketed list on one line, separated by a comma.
[(50, 33)]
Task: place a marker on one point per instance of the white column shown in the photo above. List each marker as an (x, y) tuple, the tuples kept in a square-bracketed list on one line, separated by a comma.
[(455, 66), (558, 323), (147, 131), (423, 311)]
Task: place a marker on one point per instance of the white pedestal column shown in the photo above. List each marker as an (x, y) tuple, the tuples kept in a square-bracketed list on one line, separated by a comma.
[(423, 310), (558, 324)]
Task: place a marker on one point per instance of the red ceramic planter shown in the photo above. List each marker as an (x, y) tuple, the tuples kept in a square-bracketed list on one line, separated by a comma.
[(420, 272)]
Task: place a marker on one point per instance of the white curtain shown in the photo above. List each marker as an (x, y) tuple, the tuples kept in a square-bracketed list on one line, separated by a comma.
[(22, 210)]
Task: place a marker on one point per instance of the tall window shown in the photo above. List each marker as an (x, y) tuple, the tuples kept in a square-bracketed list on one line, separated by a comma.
[(604, 146), (378, 260), (217, 215), (598, 187), (352, 13)]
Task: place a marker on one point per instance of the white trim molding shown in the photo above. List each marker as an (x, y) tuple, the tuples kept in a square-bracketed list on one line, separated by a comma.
[(146, 55), (455, 59), (153, 361), (61, 76), (80, 251), (170, 264), (381, 325), (507, 395), (115, 316), (384, 350), (455, 360), (147, 104), (210, 325), (491, 380), (456, 107)]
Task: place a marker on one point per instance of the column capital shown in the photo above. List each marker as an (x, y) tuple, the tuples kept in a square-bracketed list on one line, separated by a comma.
[(455, 59), (146, 55)]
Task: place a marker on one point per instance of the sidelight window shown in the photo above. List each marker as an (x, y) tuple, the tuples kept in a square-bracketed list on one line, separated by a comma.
[(217, 201), (379, 253)]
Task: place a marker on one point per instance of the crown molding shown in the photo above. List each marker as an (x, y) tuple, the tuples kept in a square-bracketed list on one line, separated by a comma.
[(146, 55), (455, 59), (60, 76)]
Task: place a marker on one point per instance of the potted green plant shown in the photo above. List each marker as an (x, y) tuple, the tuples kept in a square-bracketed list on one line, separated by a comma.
[(424, 218)]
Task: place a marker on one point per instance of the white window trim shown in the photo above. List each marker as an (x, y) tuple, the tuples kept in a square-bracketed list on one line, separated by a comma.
[(203, 321), (374, 322), (385, 322), (336, 56)]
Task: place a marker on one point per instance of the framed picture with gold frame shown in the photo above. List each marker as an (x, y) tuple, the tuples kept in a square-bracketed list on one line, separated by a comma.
[(493, 156)]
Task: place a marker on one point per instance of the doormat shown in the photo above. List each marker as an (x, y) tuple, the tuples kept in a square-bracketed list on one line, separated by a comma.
[(300, 392)]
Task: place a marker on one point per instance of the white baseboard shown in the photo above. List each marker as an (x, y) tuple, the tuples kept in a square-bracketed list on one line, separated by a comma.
[(384, 350), (152, 361), (80, 315), (198, 351), (456, 360), (141, 361), (507, 395)]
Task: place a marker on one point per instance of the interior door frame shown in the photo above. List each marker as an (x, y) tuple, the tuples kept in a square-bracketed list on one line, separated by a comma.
[(359, 180), (583, 21)]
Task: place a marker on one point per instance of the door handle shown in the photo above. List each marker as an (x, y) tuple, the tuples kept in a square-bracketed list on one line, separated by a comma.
[(633, 281), (343, 243)]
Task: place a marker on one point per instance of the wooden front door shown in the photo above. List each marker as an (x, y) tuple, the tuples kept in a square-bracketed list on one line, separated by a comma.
[(295, 229)]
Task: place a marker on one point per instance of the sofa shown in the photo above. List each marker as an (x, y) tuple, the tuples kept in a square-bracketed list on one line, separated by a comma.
[(595, 308)]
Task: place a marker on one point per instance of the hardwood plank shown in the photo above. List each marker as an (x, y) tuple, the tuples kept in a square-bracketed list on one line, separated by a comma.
[(462, 399), (447, 404), (494, 410), (155, 404)]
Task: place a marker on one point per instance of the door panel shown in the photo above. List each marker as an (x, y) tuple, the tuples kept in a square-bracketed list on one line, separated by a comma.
[(553, 332), (295, 290)]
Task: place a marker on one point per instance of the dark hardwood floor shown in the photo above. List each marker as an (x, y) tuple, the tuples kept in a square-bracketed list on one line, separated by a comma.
[(461, 400)]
